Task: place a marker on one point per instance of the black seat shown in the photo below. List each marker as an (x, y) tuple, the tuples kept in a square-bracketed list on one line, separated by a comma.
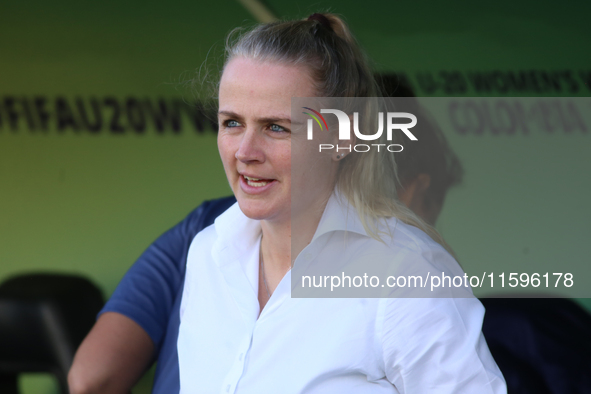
[(43, 319)]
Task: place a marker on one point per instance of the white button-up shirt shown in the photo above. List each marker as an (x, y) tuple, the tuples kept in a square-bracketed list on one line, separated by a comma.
[(323, 345)]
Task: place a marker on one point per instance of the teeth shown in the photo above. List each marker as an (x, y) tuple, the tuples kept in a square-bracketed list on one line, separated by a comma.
[(256, 182)]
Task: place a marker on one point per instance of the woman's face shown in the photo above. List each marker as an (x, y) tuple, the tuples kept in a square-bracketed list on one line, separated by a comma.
[(254, 138)]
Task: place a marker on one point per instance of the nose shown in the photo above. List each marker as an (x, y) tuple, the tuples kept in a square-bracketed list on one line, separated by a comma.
[(250, 148)]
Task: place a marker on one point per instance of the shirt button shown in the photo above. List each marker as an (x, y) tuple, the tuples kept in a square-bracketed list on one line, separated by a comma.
[(240, 357), (227, 388)]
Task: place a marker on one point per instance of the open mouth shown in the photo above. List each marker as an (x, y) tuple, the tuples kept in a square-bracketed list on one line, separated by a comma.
[(256, 182)]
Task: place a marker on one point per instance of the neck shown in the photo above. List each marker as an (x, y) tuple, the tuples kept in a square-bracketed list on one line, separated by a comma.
[(284, 240)]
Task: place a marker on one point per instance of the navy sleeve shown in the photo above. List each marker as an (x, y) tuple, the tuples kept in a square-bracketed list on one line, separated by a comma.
[(147, 292)]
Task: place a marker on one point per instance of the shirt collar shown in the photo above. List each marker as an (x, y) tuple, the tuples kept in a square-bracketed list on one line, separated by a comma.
[(339, 215), (235, 230)]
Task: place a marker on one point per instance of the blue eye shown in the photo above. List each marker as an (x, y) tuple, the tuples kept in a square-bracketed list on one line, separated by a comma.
[(231, 123), (277, 128)]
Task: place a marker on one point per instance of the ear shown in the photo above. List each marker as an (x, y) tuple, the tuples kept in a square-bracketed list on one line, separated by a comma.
[(412, 194), (423, 182), (344, 147)]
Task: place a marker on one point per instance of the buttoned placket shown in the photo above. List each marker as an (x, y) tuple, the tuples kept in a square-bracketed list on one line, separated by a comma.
[(235, 373), (242, 290), (242, 280), (281, 293)]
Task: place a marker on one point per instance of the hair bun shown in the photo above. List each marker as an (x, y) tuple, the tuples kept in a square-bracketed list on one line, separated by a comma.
[(322, 19)]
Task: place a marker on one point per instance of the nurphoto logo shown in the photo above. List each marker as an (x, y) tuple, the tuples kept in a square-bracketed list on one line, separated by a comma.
[(344, 122)]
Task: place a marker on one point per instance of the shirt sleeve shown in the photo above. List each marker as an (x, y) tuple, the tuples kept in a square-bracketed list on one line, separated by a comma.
[(147, 292), (435, 345)]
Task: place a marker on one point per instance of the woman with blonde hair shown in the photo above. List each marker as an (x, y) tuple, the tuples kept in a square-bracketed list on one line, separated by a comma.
[(241, 331)]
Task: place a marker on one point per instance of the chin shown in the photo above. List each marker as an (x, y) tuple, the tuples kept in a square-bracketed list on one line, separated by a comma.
[(258, 210), (256, 214)]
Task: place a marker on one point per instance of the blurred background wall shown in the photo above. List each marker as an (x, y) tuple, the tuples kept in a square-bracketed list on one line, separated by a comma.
[(101, 151)]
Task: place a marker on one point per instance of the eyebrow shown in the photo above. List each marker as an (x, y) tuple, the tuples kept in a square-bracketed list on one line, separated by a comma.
[(231, 114)]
